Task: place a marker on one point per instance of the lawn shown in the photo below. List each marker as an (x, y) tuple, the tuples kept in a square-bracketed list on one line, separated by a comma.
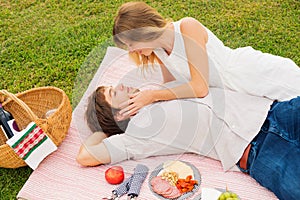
[(61, 43)]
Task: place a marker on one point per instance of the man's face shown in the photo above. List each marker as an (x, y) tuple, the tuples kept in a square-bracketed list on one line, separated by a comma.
[(119, 94)]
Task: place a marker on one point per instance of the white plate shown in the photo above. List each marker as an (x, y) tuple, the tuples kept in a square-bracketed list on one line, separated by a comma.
[(197, 177)]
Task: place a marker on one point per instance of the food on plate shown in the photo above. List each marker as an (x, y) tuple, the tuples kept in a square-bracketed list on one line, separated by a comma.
[(173, 180), (114, 175), (219, 194), (186, 185), (171, 177), (164, 188), (228, 196), (182, 169)]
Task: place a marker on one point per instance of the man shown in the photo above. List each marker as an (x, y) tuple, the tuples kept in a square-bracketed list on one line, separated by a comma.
[(240, 130)]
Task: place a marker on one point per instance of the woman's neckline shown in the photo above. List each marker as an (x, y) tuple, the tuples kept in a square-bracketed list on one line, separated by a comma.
[(168, 54), (174, 45)]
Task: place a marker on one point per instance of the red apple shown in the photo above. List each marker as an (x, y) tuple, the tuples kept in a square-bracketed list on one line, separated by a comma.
[(114, 175)]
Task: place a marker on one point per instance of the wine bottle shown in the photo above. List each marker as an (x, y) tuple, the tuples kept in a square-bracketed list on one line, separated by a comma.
[(5, 117)]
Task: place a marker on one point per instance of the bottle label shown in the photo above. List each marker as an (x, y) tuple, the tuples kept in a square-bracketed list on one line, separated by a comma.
[(13, 126)]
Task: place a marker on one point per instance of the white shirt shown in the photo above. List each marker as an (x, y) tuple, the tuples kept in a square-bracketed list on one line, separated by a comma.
[(219, 126)]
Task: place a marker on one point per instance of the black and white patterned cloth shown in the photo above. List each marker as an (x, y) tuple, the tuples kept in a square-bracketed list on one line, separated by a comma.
[(133, 184)]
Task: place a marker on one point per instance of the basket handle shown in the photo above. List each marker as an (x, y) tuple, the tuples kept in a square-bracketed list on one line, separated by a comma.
[(20, 102)]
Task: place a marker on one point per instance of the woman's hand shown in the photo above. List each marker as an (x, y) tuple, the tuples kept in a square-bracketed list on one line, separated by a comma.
[(136, 102)]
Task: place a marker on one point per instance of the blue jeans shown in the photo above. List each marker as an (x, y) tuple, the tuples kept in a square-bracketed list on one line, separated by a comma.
[(274, 158)]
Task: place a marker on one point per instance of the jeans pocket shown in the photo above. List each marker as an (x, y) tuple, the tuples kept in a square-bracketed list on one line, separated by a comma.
[(284, 120)]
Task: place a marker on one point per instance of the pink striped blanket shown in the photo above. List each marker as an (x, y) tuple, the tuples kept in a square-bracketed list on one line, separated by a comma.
[(60, 177)]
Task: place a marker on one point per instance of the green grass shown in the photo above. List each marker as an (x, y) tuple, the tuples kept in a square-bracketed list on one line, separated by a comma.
[(57, 42)]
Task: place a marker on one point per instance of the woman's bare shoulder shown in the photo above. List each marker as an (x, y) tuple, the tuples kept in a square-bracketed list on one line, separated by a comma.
[(191, 27)]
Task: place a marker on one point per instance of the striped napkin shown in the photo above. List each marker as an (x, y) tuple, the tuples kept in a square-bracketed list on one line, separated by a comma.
[(32, 145), (133, 184)]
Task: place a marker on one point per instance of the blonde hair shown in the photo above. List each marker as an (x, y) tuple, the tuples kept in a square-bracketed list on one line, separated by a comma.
[(138, 22)]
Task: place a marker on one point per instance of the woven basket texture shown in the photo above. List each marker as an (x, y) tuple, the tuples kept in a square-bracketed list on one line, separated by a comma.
[(32, 105)]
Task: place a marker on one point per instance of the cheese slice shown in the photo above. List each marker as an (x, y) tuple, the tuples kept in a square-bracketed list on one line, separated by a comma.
[(182, 169)]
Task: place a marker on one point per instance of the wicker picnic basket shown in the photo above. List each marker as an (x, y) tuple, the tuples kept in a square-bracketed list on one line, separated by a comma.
[(32, 106)]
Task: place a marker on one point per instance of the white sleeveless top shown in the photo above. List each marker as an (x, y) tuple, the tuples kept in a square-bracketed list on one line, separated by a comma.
[(243, 69), (177, 62)]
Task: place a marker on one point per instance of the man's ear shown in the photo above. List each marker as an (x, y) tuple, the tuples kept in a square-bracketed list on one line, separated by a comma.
[(118, 117)]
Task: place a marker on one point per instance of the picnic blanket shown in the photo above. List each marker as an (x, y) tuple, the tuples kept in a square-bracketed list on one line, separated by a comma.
[(59, 176)]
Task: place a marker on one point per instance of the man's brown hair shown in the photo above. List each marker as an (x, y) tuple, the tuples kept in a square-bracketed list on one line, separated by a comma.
[(100, 115)]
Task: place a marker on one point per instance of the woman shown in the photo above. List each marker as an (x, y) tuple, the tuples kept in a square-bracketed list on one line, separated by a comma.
[(187, 51)]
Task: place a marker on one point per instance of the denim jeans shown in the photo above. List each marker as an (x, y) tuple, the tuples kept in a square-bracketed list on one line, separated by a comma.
[(274, 158)]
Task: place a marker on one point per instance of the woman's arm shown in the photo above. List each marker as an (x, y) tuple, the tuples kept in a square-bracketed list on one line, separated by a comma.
[(195, 39), (93, 152)]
